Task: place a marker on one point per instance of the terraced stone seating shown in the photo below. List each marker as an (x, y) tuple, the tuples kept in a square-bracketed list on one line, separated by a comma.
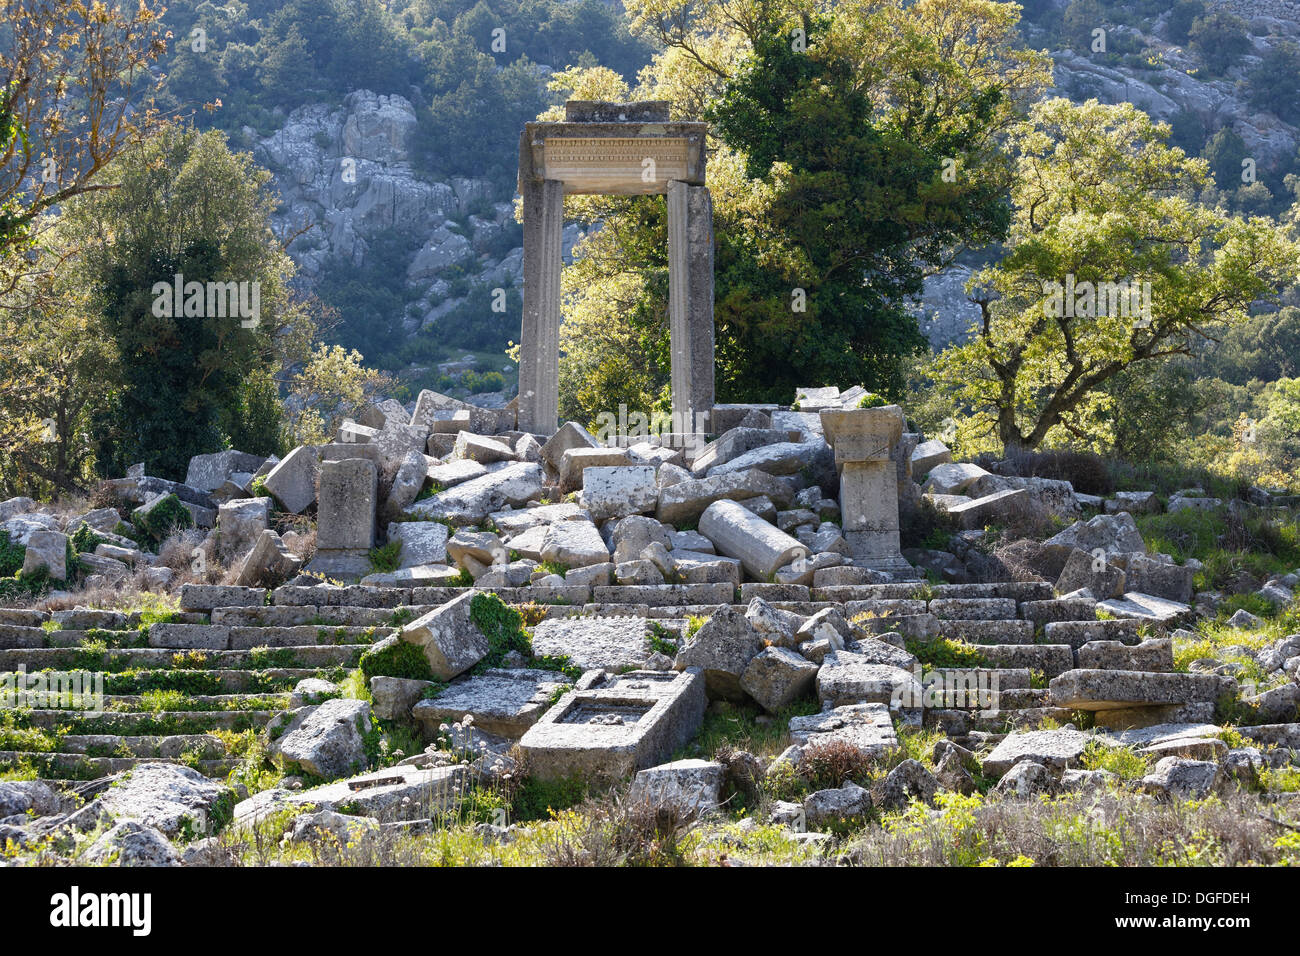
[(184, 688)]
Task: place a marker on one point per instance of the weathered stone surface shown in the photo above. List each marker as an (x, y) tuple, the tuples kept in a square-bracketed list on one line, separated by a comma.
[(866, 727), (952, 478), (269, 562), (685, 787), (846, 678), (929, 454), (1155, 655), (777, 677), (1143, 607), (407, 484), (47, 550), (574, 544), (205, 597), (733, 443), (240, 522), (1181, 779), (612, 726), (1109, 534), (575, 462), (132, 844), (570, 435), (687, 500), (393, 697), (346, 511), (423, 542), (1083, 570), (210, 472), (1146, 575), (450, 473), (907, 782), (987, 509), (505, 702), (166, 797), (1105, 689), (846, 804), (452, 643), (471, 501), (393, 793), (722, 648), (1134, 502), (1027, 779), (326, 740), (740, 534), (1057, 749), (613, 492), (293, 480)]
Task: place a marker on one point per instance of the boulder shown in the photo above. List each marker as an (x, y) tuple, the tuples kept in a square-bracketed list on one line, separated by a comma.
[(326, 740), (777, 677), (687, 788), (452, 643), (722, 648)]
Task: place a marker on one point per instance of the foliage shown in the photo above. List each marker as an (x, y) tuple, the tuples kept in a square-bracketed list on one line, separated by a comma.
[(502, 625), (1097, 200), (388, 558), (185, 206)]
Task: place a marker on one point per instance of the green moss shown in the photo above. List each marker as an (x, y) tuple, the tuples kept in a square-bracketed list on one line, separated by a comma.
[(161, 520), (503, 627), (397, 658)]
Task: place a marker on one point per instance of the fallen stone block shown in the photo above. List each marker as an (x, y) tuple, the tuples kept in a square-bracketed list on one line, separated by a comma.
[(738, 533), (611, 643), (777, 677), (326, 740), (1057, 749), (612, 726), (687, 788), (451, 641), (503, 701), (867, 728), (615, 492), (293, 480)]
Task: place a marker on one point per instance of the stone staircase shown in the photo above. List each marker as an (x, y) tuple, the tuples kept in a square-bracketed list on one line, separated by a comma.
[(177, 690)]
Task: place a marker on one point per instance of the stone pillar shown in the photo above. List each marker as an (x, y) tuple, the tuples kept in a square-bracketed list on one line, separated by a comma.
[(864, 439), (690, 303), (539, 358), (345, 514), (739, 533)]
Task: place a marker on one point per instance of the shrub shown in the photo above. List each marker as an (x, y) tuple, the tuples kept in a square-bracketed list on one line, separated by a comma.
[(827, 765), (502, 625)]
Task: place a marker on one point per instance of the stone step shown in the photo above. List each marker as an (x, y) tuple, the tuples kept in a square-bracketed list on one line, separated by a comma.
[(1078, 633), (215, 703), (295, 615), (60, 767), (130, 723), (661, 595), (1051, 659), (1058, 609), (72, 658), (988, 632), (156, 746), (1018, 590), (973, 609), (959, 723), (229, 681)]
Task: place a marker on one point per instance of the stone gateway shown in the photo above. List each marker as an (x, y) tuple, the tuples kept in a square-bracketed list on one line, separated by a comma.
[(620, 149)]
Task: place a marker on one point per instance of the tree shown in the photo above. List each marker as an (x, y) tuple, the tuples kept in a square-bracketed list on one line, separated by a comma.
[(331, 385), (67, 74), (1101, 209), (1220, 40), (1225, 153), (902, 85), (1275, 83), (187, 211)]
